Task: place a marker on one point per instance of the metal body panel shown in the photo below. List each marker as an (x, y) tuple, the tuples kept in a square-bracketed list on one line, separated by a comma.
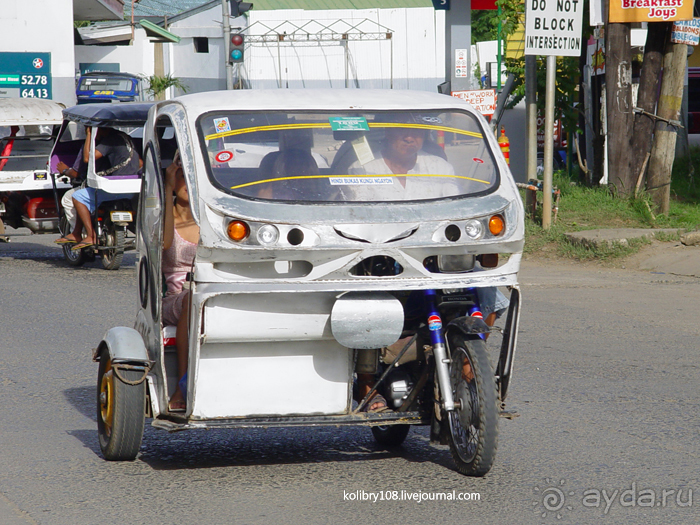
[(272, 378), (236, 318)]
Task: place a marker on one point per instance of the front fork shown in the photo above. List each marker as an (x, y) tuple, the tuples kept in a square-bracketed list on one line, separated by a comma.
[(437, 339)]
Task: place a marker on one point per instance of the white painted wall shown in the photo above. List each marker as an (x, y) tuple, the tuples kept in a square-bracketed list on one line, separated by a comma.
[(45, 27), (137, 58), (413, 59), (199, 71)]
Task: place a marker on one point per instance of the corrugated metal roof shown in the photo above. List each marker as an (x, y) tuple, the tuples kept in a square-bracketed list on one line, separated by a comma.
[(160, 7), (268, 5), (173, 7)]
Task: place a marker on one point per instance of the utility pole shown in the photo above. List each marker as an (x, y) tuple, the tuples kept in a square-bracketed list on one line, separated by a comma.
[(618, 86), (458, 43), (657, 34), (663, 151), (227, 43)]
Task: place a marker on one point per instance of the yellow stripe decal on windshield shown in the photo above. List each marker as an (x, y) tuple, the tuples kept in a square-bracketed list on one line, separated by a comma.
[(279, 179), (321, 125)]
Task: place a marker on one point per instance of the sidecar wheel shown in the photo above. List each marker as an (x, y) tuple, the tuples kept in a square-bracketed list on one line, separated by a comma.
[(472, 428), (390, 435), (120, 411)]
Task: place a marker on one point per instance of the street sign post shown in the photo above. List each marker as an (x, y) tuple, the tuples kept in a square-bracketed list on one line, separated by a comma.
[(553, 27)]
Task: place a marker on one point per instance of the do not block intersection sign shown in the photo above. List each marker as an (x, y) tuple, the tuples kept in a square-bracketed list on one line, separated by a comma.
[(553, 27)]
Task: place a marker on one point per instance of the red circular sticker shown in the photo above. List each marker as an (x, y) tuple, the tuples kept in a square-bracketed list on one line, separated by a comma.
[(224, 156), (434, 322), (476, 159)]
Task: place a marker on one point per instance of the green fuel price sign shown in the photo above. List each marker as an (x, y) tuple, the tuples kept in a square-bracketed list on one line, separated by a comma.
[(25, 75)]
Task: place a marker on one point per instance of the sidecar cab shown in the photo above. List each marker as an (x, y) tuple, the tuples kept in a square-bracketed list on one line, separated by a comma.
[(310, 242)]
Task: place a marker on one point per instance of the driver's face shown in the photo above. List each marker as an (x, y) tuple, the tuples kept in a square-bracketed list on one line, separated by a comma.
[(405, 142)]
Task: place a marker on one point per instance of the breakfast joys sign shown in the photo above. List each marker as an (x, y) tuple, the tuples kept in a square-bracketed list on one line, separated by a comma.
[(650, 10)]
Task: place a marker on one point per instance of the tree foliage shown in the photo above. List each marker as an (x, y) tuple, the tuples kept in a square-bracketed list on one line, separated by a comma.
[(485, 27), (157, 84)]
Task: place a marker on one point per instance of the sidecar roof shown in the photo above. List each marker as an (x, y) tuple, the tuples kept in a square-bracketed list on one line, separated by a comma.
[(29, 111), (108, 115)]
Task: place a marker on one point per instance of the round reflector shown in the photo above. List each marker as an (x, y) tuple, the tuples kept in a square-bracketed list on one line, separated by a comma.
[(496, 225), (237, 230)]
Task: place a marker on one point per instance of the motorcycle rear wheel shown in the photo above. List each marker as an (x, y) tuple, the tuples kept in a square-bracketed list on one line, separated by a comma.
[(390, 435), (473, 427), (112, 257)]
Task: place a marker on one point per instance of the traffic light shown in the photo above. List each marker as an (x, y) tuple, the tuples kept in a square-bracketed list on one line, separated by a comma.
[(238, 7), (237, 48)]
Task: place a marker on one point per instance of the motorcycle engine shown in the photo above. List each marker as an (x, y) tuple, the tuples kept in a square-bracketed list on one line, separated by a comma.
[(399, 386)]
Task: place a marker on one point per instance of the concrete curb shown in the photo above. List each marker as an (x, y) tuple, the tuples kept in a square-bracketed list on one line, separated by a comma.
[(616, 236)]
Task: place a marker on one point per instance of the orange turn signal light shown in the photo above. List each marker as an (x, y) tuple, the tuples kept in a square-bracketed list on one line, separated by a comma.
[(237, 230), (496, 225)]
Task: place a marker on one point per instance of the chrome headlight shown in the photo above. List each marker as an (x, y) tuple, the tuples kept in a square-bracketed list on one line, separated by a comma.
[(474, 229), (268, 234)]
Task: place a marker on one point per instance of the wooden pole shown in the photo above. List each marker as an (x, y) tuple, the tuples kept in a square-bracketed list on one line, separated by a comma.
[(663, 151), (647, 97), (618, 87)]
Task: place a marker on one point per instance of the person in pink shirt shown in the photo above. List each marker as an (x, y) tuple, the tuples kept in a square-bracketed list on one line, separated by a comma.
[(180, 239)]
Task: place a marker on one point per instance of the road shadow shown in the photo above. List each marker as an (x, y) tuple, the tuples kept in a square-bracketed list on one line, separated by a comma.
[(281, 446), (83, 399)]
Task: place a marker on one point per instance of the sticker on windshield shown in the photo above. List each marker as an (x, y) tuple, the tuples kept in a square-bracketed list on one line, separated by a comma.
[(348, 124), (224, 156), (360, 181), (477, 159), (222, 124)]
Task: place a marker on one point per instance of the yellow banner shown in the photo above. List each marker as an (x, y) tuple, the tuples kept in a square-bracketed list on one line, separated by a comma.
[(650, 10)]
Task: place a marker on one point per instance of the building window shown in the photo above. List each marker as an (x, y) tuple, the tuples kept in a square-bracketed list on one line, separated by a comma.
[(201, 44)]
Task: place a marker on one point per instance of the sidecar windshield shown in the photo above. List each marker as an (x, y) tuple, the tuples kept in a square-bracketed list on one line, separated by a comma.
[(348, 157)]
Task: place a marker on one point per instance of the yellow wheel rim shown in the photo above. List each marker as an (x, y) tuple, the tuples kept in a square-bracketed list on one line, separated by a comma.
[(107, 398)]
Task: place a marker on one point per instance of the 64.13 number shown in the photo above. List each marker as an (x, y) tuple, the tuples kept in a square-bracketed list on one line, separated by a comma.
[(35, 93)]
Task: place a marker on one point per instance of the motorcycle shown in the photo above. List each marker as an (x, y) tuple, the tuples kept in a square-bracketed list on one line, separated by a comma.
[(113, 221), (324, 277)]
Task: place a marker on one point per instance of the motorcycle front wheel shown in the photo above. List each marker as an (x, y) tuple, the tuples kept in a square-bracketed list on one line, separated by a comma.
[(72, 257), (473, 425)]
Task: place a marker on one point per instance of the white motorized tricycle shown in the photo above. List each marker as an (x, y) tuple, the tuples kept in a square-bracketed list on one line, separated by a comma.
[(352, 244)]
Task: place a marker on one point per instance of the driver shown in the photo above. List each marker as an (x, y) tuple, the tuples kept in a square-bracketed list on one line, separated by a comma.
[(402, 154)]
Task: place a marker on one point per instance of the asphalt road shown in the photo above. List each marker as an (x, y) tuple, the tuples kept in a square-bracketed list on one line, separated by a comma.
[(605, 385)]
